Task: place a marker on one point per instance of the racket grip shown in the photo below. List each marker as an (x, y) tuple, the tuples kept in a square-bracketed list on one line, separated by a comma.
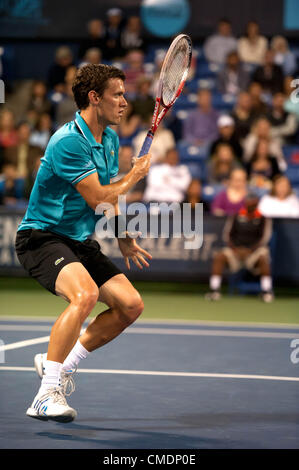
[(146, 144)]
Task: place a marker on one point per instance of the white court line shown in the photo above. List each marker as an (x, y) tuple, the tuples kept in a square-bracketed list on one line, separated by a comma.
[(166, 374), (167, 322), (172, 331), (23, 344)]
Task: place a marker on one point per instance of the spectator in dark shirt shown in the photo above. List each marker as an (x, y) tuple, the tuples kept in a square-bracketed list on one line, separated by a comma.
[(246, 236), (243, 116), (269, 75), (263, 167), (284, 124), (56, 75), (131, 36), (112, 41), (96, 33), (222, 163), (259, 107), (233, 78), (39, 101), (143, 104), (226, 127)]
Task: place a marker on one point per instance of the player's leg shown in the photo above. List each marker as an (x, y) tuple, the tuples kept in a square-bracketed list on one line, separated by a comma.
[(125, 306), (76, 285)]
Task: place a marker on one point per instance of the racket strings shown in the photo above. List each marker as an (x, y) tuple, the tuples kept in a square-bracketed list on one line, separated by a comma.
[(176, 69)]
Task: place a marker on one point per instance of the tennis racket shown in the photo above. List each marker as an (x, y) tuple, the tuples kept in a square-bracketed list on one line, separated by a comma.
[(173, 75)]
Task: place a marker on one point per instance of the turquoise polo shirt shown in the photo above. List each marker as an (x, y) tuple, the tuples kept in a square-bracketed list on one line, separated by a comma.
[(72, 154)]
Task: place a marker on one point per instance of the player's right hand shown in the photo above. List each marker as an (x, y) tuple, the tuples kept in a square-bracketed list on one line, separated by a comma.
[(141, 166)]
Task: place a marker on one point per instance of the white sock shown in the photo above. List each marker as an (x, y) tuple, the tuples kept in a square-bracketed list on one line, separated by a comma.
[(51, 378), (266, 283), (215, 282), (77, 353)]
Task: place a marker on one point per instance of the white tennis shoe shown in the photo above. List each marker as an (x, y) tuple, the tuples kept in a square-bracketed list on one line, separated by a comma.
[(51, 405), (66, 378)]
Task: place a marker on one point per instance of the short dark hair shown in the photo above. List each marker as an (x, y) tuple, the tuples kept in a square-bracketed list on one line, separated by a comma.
[(93, 77)]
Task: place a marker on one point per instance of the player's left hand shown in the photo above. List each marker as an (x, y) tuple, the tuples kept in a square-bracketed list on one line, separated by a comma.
[(132, 251)]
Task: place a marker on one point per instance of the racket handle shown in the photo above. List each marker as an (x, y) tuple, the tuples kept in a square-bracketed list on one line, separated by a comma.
[(146, 144)]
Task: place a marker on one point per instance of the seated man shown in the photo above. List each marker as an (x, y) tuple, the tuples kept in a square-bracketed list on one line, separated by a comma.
[(246, 235)]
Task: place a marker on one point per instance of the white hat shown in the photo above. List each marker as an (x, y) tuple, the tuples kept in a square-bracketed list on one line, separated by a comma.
[(225, 120)]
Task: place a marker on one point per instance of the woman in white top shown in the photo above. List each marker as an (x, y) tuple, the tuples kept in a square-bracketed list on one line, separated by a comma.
[(253, 46), (281, 202)]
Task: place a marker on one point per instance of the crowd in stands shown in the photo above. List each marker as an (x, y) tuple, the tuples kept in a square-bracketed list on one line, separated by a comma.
[(234, 129)]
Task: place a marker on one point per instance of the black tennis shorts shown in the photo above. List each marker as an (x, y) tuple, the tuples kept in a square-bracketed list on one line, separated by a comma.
[(43, 254)]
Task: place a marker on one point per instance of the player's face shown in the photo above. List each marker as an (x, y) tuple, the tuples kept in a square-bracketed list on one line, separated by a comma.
[(113, 103)]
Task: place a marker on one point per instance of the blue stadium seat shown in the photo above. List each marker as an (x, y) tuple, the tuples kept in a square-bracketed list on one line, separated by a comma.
[(191, 153), (293, 174), (290, 153)]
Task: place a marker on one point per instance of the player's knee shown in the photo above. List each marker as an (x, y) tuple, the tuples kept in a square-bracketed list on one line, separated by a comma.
[(132, 309), (85, 299)]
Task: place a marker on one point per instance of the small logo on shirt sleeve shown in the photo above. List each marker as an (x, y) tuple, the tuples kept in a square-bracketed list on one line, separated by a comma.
[(58, 261)]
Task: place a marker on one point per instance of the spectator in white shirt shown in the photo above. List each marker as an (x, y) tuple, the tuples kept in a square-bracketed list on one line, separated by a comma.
[(281, 202), (163, 141), (169, 181), (218, 45), (252, 47)]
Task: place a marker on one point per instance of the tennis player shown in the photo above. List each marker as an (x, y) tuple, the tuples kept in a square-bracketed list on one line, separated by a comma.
[(53, 242)]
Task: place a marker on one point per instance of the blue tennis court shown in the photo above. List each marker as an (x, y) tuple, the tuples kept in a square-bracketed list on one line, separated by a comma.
[(187, 385)]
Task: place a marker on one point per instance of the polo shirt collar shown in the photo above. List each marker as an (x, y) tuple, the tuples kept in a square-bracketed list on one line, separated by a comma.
[(86, 132)]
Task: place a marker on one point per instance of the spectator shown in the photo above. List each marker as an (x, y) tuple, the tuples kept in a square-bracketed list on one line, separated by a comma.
[(231, 200), (39, 101), (194, 193), (217, 46), (283, 56), (134, 70), (281, 202), (163, 141), (112, 47), (41, 134), (291, 105), (95, 39), (200, 127), (130, 123), (67, 108), (243, 116), (262, 168), (261, 129), (168, 181), (23, 155), (135, 194), (131, 36), (143, 104), (233, 78), (8, 185), (269, 75), (226, 127), (259, 107), (93, 55), (252, 47), (222, 163), (246, 235), (284, 124), (57, 71), (8, 133)]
